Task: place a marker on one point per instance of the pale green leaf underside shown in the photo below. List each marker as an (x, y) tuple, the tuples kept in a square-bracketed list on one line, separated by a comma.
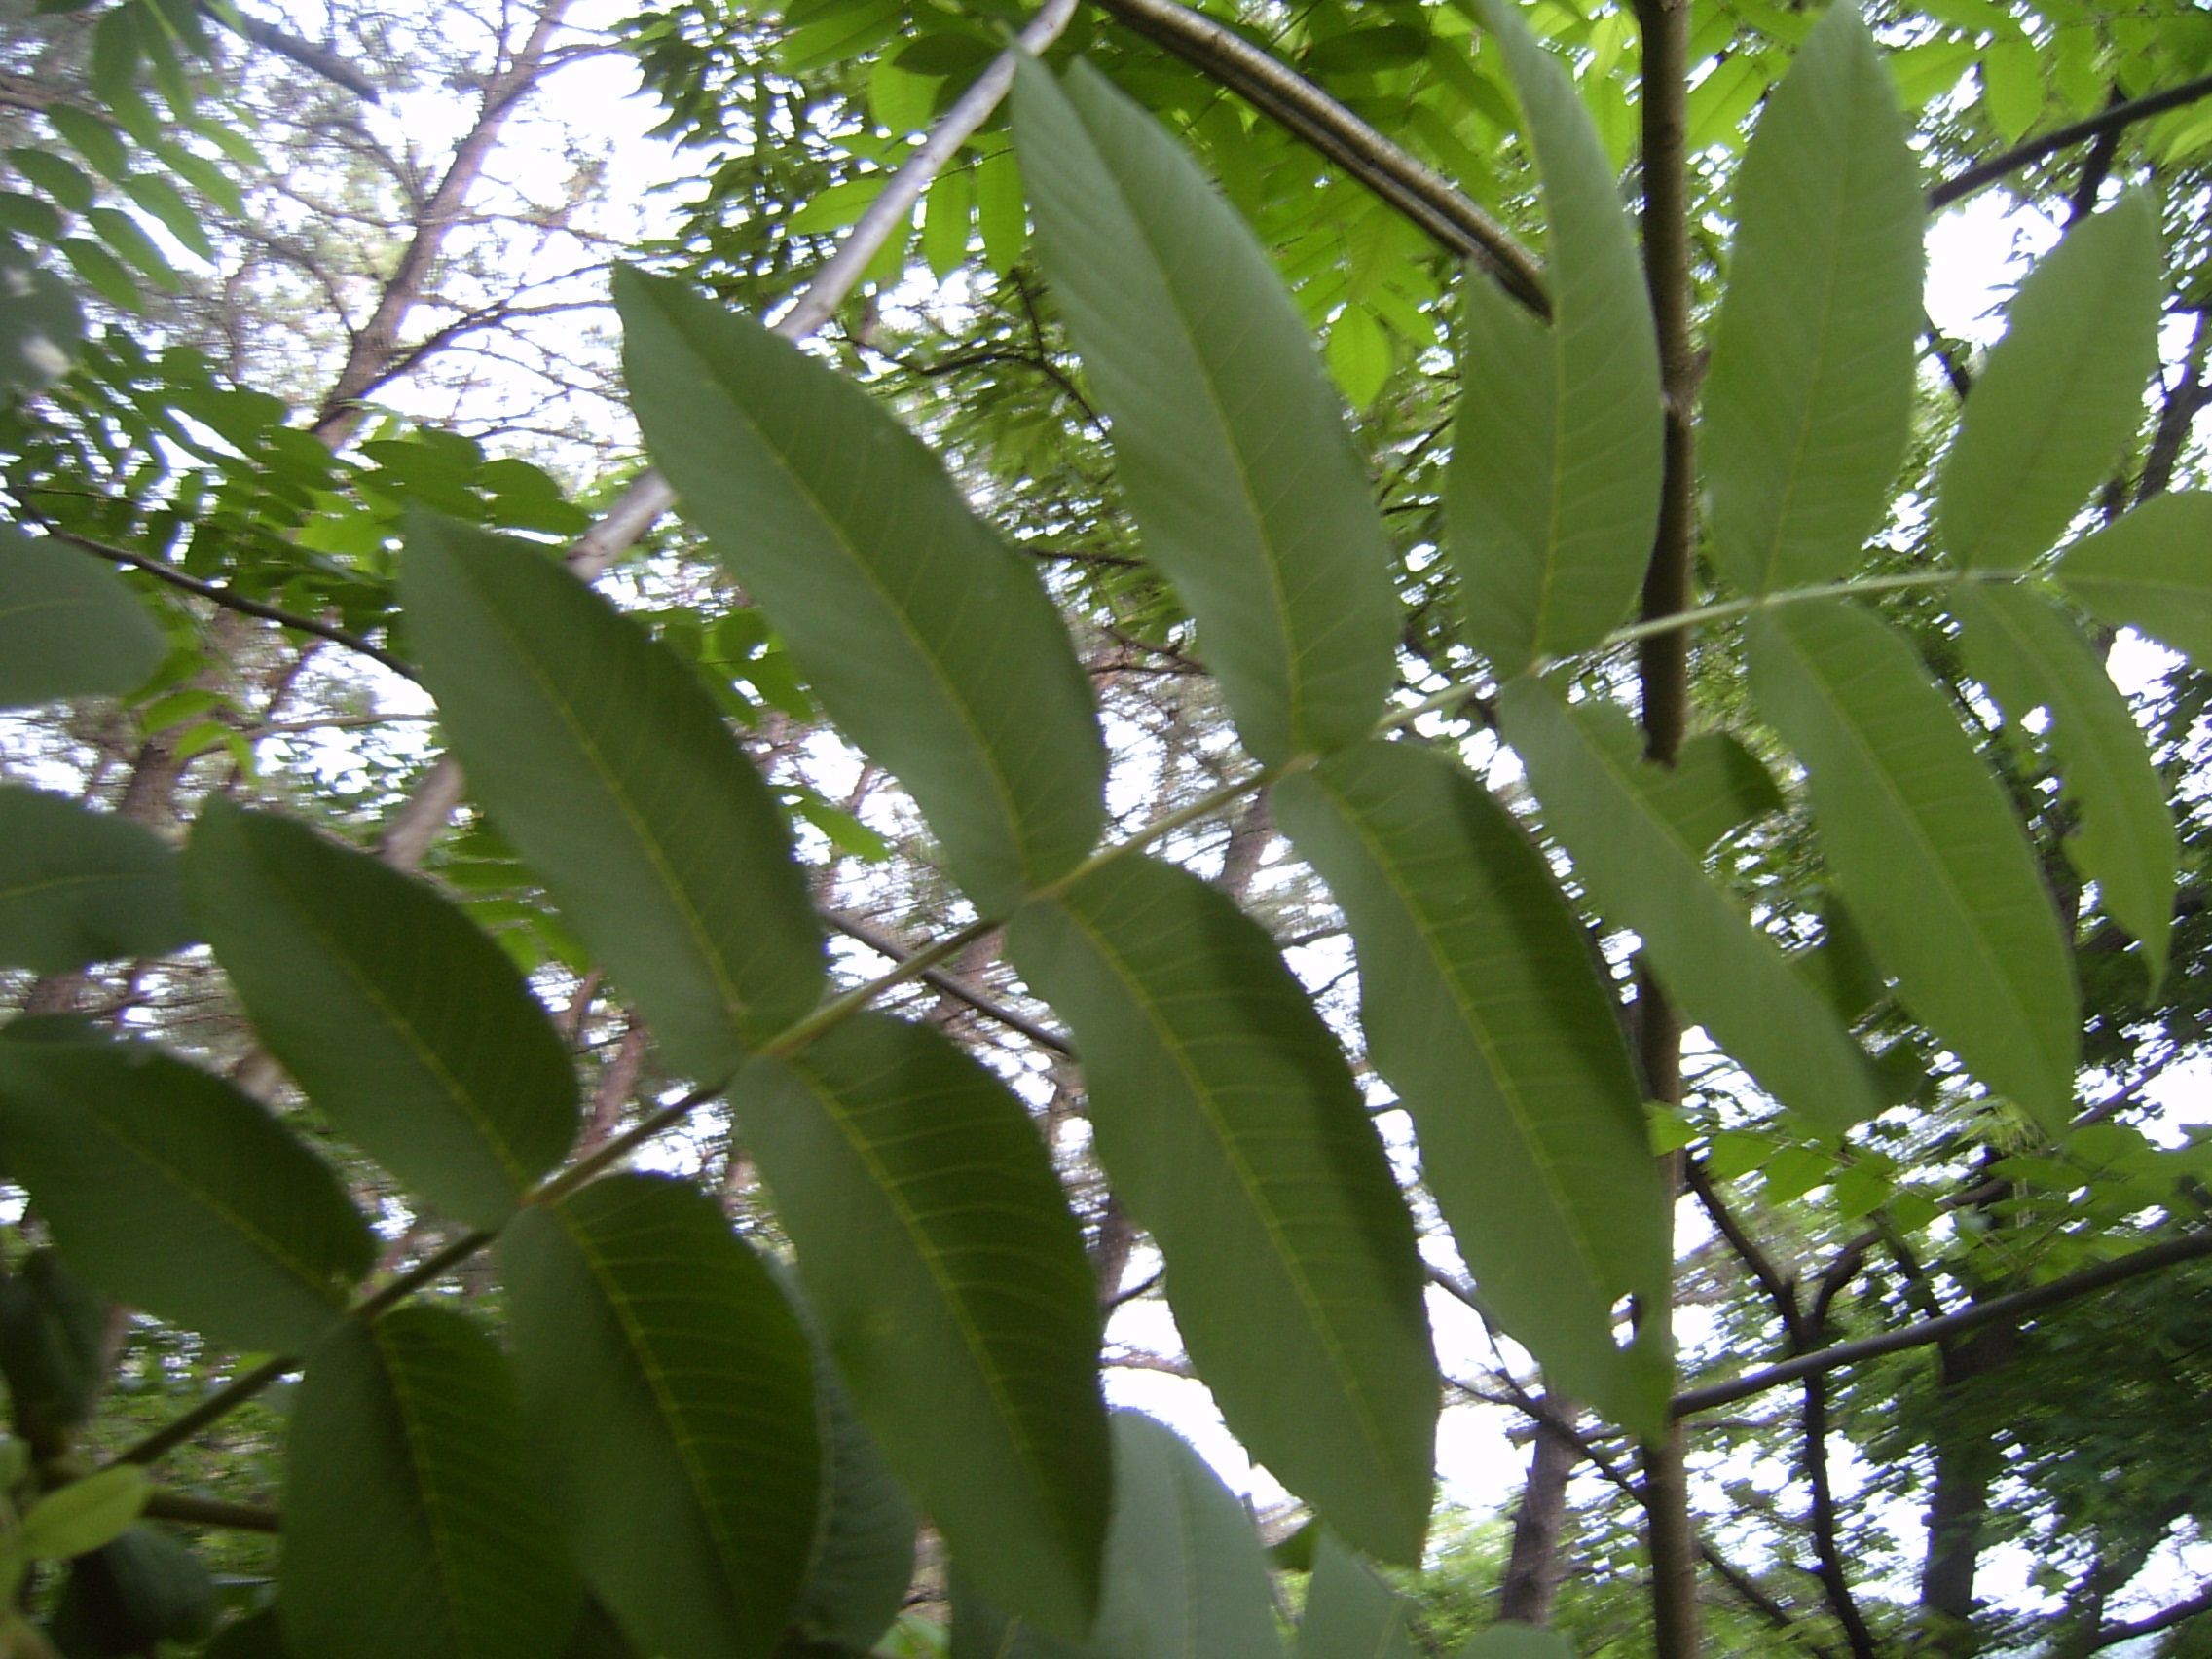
[(1808, 400), (1723, 974), (1481, 1005), (2029, 655), (412, 1030), (1553, 492), (173, 1193), (413, 1521), (2060, 395), (1925, 848), (930, 643), (1230, 1123), (668, 1392), (2151, 570), (948, 1279), (601, 756), (78, 886), (1229, 437)]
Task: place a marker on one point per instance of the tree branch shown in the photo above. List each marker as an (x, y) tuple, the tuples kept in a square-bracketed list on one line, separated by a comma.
[(1408, 184), (2200, 1602), (163, 570), (884, 942), (317, 59), (2187, 1248), (2096, 126), (211, 1512)]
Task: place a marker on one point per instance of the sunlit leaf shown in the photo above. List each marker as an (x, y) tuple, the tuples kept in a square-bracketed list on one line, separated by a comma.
[(2151, 570)]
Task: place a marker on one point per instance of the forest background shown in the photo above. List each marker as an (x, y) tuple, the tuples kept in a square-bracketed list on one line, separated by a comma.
[(345, 261)]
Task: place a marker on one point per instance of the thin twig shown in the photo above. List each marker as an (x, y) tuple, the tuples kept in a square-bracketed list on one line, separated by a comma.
[(2035, 149), (163, 570)]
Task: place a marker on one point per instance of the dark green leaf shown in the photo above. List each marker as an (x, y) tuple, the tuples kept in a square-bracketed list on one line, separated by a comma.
[(2061, 393), (949, 1282), (1350, 1613), (412, 1030), (603, 760), (40, 330), (414, 1520), (103, 273), (1231, 1125), (2149, 572), (144, 1588), (94, 139), (1723, 973), (1809, 398), (864, 1557), (928, 640), (257, 1636), (1363, 52), (2030, 655), (669, 1396), (62, 180), (68, 627), (1928, 851), (1553, 494), (162, 199), (172, 1192), (1482, 1001), (122, 233), (54, 1350), (1714, 785), (78, 886), (1229, 440)]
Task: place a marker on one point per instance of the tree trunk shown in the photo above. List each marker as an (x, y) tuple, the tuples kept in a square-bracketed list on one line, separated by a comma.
[(1966, 1463), (1537, 1563)]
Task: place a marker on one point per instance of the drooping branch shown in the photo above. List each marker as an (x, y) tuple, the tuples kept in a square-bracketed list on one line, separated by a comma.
[(317, 59), (1423, 195), (2187, 1248), (2050, 143)]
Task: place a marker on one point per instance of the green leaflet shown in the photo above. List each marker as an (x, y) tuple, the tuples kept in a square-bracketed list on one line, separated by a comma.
[(414, 1521), (172, 1192), (930, 641), (949, 1282), (1483, 1003), (601, 756), (1229, 438), (67, 627), (1185, 1576), (78, 886), (85, 1515), (668, 1393), (1715, 785), (1230, 1123), (2029, 655), (412, 1030), (2151, 570), (1926, 849), (1645, 873), (2060, 395), (1553, 490), (864, 1553), (1808, 401), (1350, 1613)]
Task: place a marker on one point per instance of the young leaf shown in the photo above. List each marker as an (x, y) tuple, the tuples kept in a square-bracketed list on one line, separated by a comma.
[(78, 886), (1926, 849), (1231, 1125), (602, 757), (1350, 1613), (2030, 655), (79, 1518), (2061, 393), (1808, 401), (172, 1192), (1229, 437), (414, 1520), (2149, 572), (949, 1282), (1185, 1572), (1725, 975), (399, 1017), (930, 641), (669, 1393), (1553, 492), (67, 627), (1482, 1006)]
